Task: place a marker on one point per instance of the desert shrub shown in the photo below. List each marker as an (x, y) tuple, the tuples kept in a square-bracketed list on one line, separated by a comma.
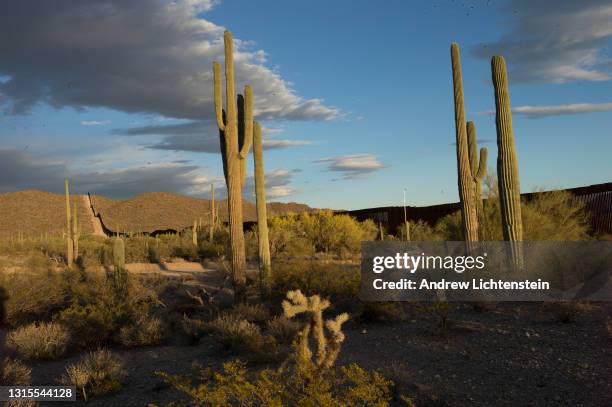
[(46, 340), (94, 251), (32, 296), (210, 250), (340, 283), (283, 329), (144, 331), (98, 311), (193, 328), (380, 311), (251, 312), (549, 216), (14, 373), (318, 232), (235, 385), (239, 335), (97, 373), (421, 231)]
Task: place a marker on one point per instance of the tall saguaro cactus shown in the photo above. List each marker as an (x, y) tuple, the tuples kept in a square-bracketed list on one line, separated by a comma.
[(465, 178), (233, 154), (265, 264), (478, 166), (69, 241), (507, 163)]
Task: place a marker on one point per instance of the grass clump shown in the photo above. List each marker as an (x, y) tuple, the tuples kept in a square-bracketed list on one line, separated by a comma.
[(46, 340), (145, 331), (239, 335), (14, 373), (283, 329), (256, 313), (97, 373)]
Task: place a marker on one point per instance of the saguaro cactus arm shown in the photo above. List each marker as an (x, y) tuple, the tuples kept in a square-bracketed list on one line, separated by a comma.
[(218, 99), (478, 166), (247, 137)]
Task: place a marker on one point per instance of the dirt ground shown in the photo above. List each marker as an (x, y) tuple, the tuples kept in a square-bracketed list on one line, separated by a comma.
[(515, 354)]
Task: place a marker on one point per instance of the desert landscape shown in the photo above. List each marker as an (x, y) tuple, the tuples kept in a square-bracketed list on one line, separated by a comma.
[(227, 297)]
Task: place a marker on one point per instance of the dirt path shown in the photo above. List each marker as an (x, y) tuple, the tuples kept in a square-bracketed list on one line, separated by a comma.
[(95, 222)]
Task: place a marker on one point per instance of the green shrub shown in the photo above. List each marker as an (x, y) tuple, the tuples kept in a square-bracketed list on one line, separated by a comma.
[(46, 340), (318, 232), (32, 296), (97, 373), (235, 385), (98, 311), (340, 283), (549, 216)]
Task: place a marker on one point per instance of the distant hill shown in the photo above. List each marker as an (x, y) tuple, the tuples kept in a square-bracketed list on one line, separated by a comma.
[(162, 210), (33, 213)]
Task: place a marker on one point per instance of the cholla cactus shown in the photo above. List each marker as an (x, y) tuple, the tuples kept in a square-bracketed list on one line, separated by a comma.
[(328, 346)]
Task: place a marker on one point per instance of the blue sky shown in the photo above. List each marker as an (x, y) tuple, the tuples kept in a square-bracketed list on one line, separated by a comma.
[(355, 98)]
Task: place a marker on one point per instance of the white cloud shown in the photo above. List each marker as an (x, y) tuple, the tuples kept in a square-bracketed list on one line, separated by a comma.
[(95, 122), (270, 144), (353, 166), (535, 112)]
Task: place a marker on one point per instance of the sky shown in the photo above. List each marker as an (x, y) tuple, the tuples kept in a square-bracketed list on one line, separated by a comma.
[(355, 96)]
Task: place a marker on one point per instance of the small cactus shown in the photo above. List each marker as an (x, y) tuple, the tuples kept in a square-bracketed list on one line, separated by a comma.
[(119, 273), (212, 226), (69, 240), (328, 345), (194, 233)]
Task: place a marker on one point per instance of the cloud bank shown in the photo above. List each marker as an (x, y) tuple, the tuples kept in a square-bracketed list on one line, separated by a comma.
[(148, 56), (554, 40)]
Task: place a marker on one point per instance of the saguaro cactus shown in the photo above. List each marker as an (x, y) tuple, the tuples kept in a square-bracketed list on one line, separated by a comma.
[(465, 179), (76, 233), (194, 233), (119, 272), (478, 167), (265, 266), (507, 163), (69, 241), (213, 219), (233, 154)]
